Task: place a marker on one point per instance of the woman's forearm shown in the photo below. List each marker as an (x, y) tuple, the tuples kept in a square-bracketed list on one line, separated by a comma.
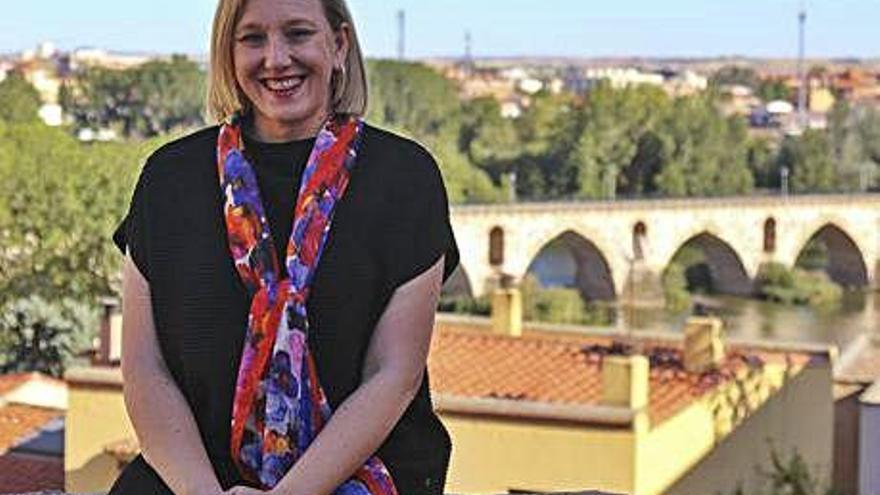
[(355, 431), (165, 427), (168, 436)]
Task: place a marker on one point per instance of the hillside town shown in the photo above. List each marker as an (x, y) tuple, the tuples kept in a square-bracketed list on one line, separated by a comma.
[(766, 92)]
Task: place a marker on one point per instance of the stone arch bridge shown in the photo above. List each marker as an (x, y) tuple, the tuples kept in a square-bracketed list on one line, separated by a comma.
[(621, 245)]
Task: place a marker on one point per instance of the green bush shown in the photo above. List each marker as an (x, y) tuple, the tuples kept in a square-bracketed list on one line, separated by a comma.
[(544, 304), (675, 287), (36, 335), (781, 284), (789, 476)]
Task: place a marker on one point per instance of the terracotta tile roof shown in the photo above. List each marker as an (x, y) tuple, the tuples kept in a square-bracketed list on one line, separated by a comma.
[(19, 423), (566, 368), (28, 473)]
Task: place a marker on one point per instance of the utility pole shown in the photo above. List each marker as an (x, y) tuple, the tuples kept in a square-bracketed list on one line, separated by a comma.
[(401, 34), (802, 73)]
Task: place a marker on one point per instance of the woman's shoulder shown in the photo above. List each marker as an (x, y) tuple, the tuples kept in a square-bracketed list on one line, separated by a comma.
[(399, 156), (179, 156)]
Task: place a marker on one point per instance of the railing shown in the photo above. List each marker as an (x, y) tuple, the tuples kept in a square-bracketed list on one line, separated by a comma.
[(669, 203)]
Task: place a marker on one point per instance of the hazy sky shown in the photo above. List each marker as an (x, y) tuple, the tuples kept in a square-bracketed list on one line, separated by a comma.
[(499, 27)]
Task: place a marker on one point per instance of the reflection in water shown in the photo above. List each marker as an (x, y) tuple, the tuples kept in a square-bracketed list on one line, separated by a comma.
[(839, 324), (744, 318)]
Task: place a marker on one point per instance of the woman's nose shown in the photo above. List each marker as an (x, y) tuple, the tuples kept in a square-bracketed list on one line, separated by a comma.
[(278, 53)]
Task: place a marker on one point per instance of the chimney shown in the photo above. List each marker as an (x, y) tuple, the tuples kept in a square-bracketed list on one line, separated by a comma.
[(110, 346), (507, 312), (703, 347), (625, 381)]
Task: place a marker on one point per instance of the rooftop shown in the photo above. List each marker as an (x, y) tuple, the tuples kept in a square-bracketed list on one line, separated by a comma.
[(20, 423), (565, 370)]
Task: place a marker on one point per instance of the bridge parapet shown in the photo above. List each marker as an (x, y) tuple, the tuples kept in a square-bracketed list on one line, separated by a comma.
[(619, 241)]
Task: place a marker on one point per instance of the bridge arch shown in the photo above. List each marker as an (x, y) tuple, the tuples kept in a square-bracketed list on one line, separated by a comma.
[(722, 265), (574, 261), (844, 261)]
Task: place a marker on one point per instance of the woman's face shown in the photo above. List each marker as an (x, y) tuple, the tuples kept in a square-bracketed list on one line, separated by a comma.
[(284, 54)]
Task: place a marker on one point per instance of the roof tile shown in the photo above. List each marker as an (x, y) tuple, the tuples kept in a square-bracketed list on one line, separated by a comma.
[(470, 361)]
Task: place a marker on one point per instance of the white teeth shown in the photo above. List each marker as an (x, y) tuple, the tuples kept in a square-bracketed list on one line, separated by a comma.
[(283, 84)]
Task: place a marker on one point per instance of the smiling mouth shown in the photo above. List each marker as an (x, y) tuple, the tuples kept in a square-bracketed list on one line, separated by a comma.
[(283, 85)]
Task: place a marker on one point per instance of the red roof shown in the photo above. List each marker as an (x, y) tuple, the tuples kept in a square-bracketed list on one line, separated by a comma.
[(565, 369), (19, 423), (21, 473)]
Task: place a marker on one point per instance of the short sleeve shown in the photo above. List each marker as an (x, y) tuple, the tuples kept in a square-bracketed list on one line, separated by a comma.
[(133, 230), (419, 229)]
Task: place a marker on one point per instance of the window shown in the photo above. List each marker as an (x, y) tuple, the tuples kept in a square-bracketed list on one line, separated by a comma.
[(496, 246)]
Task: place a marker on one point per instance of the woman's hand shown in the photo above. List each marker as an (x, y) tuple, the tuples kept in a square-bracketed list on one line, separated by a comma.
[(244, 490)]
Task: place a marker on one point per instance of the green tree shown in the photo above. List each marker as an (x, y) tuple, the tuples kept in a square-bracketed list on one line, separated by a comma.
[(415, 100), (155, 98), (810, 160), (773, 89), (19, 100), (60, 202), (42, 336), (762, 162), (735, 75), (613, 123), (489, 139), (547, 124), (705, 153)]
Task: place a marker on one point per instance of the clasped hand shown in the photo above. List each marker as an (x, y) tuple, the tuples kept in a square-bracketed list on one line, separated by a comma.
[(245, 490)]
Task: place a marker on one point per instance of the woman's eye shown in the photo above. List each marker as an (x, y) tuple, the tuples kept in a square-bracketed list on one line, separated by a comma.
[(299, 33), (251, 38)]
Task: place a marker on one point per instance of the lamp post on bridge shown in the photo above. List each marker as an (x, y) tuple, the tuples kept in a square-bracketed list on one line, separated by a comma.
[(783, 180)]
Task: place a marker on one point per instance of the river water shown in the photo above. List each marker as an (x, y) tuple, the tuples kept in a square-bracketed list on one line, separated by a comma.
[(840, 323), (752, 319)]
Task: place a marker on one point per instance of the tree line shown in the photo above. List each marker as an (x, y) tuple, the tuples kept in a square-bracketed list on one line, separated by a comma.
[(60, 198)]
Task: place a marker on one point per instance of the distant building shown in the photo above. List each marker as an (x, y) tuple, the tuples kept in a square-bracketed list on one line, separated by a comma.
[(32, 410), (684, 83), (857, 86), (96, 57), (620, 77)]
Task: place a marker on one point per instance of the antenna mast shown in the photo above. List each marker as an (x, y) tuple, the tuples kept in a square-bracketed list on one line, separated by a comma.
[(802, 74), (401, 34)]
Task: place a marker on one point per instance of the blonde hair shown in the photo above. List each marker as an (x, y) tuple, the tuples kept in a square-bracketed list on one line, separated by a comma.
[(224, 95)]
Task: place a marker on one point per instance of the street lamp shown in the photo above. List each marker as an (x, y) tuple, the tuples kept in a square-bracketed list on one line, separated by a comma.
[(783, 176), (512, 181)]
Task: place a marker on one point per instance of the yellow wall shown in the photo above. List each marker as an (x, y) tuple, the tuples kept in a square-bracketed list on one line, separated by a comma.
[(670, 449), (799, 417), (491, 455), (95, 417), (707, 448)]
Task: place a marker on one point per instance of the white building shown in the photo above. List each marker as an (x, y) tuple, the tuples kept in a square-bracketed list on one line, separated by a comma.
[(103, 58), (620, 77)]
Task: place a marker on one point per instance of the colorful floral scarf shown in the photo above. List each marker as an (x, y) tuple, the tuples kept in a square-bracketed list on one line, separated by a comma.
[(279, 405)]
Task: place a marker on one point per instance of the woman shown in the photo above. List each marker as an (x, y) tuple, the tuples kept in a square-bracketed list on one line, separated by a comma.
[(281, 276)]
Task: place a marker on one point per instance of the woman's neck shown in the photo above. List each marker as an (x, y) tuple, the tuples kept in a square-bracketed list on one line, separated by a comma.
[(273, 131)]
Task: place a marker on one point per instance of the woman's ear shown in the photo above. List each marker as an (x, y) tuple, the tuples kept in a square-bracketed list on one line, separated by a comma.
[(343, 43)]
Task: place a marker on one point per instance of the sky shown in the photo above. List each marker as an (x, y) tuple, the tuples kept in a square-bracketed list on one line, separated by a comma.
[(580, 28)]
